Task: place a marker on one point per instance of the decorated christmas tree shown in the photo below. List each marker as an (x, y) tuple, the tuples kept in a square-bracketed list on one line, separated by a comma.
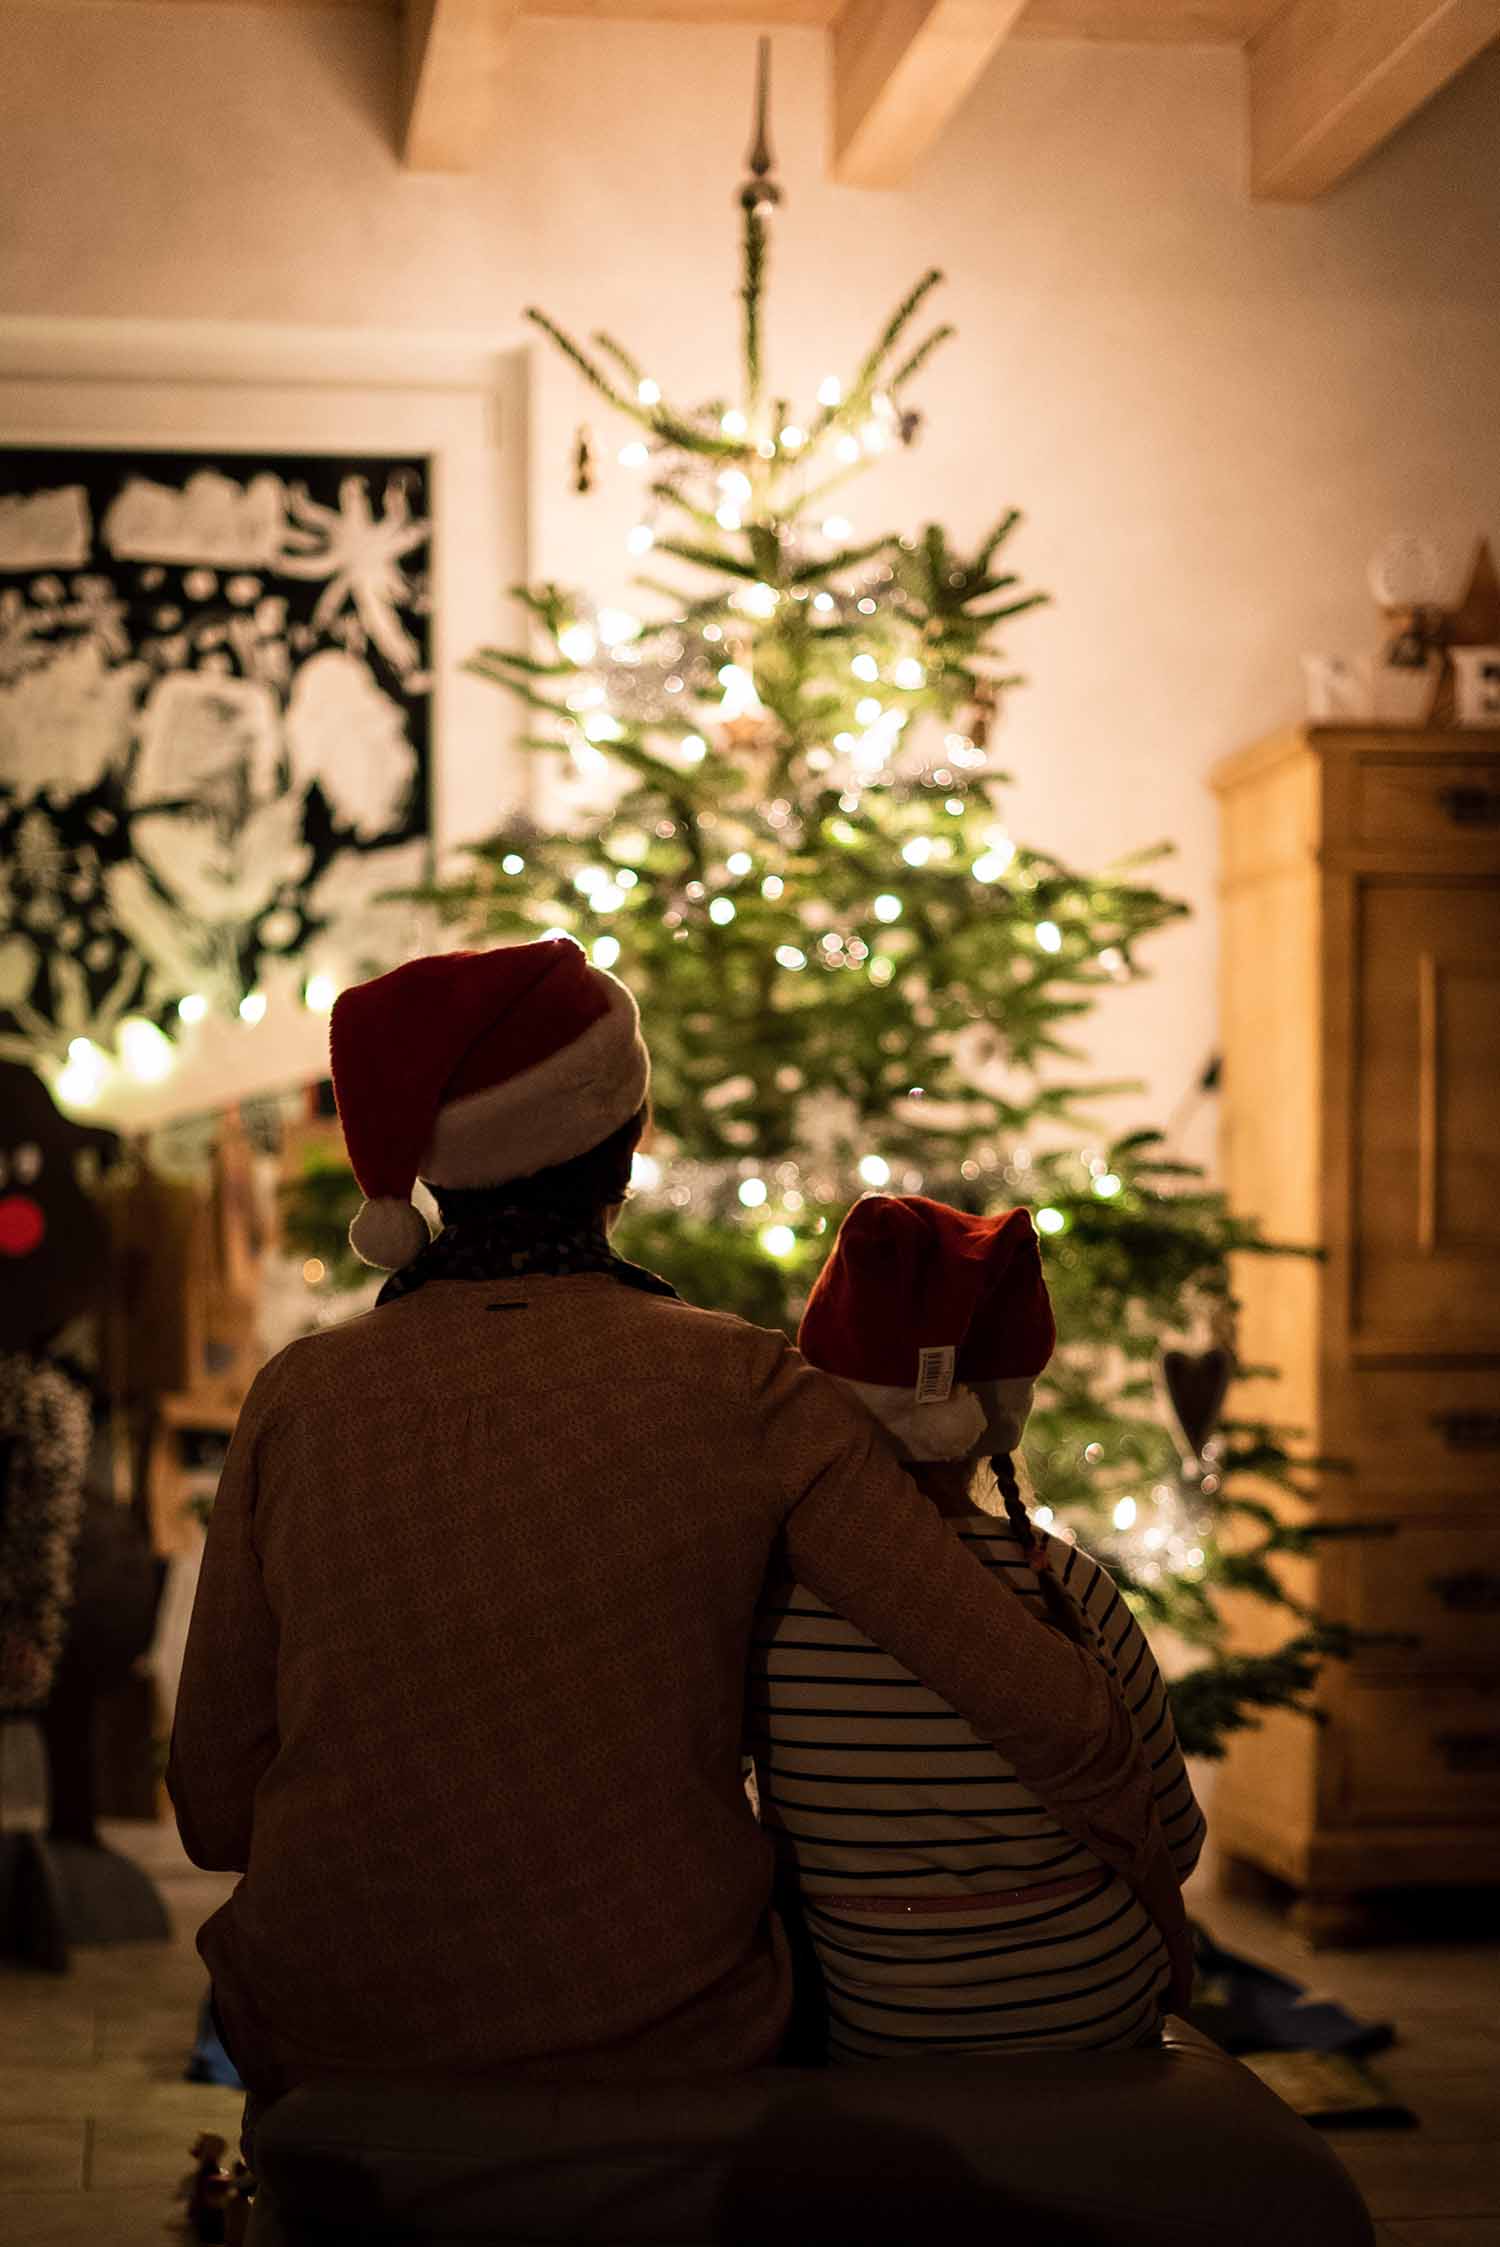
[(778, 817)]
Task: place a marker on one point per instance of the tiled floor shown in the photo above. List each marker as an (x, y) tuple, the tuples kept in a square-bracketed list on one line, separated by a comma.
[(95, 2121)]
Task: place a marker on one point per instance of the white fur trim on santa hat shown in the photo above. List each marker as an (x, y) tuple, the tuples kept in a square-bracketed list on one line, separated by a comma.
[(985, 1416), (1005, 1405), (548, 1114), (388, 1233), (949, 1430)]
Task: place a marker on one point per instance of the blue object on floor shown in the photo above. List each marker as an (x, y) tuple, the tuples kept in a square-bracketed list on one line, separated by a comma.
[(209, 2062), (1248, 2008)]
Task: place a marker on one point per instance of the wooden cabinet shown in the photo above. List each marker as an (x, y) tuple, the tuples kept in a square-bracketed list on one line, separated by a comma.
[(1361, 1115)]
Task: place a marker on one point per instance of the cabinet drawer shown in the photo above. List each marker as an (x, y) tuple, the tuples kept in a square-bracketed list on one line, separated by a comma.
[(1435, 1583), (1420, 1436), (1427, 800), (1425, 1755)]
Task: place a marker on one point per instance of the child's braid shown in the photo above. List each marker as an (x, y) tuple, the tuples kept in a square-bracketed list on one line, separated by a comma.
[(1060, 1608)]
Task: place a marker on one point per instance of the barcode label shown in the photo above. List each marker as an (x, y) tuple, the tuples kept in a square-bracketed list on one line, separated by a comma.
[(935, 1374)]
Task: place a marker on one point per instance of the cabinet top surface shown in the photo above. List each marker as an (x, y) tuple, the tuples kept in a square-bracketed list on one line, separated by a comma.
[(1481, 744)]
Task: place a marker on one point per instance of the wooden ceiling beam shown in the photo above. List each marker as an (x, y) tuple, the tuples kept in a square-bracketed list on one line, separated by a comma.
[(1329, 80), (451, 53), (901, 68)]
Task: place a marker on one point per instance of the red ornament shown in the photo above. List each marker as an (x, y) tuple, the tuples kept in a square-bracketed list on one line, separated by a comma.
[(22, 1225)]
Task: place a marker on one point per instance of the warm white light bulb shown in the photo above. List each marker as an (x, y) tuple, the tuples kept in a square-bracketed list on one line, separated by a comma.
[(1107, 1186), (830, 391), (875, 1170), (734, 423), (760, 600), (648, 392), (847, 449), (734, 483), (617, 626), (694, 748), (752, 1192), (513, 863), (1049, 936), (81, 1080), (788, 956), (918, 850), (147, 1055), (606, 951), (253, 1006), (1124, 1516), (1050, 1221), (867, 711), (728, 516), (778, 1240), (739, 862), (740, 697), (600, 726), (865, 667), (793, 438), (838, 528), (645, 1172), (909, 674), (887, 908), (320, 994), (823, 602), (193, 1008), (772, 887), (721, 911), (635, 454), (642, 538)]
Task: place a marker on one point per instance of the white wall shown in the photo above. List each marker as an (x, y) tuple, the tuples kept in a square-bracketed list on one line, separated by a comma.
[(1210, 411)]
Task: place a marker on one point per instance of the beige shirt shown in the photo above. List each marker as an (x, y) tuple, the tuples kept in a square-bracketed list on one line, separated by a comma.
[(464, 1690)]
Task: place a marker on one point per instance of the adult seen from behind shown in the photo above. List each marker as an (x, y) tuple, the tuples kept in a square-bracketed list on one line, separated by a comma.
[(463, 1695)]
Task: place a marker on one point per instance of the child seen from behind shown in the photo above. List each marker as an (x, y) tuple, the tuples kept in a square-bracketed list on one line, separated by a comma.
[(948, 1909)]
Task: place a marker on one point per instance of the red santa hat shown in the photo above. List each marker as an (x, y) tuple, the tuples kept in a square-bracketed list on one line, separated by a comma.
[(471, 1068), (937, 1321)]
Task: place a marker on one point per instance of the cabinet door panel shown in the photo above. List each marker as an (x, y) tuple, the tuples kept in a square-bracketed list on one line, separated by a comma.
[(1426, 1235)]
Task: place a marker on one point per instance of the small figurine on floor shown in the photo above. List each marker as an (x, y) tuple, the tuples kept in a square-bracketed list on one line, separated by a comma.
[(209, 2189), (237, 2213)]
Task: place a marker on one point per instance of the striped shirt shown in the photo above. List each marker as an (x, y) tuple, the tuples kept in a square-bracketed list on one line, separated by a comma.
[(883, 1795)]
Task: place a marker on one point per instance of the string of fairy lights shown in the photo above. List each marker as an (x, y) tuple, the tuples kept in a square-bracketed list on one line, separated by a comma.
[(143, 1053)]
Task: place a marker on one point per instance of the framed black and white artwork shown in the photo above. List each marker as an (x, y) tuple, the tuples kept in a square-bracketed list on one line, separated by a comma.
[(223, 678), (214, 685)]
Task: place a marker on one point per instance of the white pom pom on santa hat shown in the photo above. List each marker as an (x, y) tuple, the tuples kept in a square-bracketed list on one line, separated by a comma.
[(388, 1233), (471, 1068)]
